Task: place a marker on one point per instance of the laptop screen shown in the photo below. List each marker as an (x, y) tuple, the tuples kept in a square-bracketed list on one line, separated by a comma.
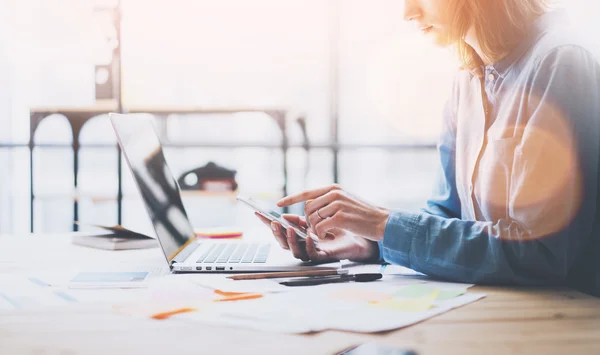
[(160, 192)]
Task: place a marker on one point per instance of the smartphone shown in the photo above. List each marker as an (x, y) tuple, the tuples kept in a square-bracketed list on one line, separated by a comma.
[(273, 216)]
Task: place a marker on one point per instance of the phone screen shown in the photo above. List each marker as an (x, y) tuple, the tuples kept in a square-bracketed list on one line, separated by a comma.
[(270, 214)]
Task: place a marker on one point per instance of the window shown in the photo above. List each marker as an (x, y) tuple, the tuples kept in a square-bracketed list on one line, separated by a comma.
[(352, 60)]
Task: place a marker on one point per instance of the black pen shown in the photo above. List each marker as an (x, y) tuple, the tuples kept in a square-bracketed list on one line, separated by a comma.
[(334, 279)]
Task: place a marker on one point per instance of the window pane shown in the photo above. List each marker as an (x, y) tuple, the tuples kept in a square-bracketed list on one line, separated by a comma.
[(53, 176), (401, 179), (53, 189), (222, 128), (14, 191), (97, 185), (97, 181)]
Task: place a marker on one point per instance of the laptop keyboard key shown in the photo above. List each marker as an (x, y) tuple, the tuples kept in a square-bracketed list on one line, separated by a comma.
[(263, 254), (250, 253), (235, 253), (215, 254), (238, 254), (205, 253), (226, 254)]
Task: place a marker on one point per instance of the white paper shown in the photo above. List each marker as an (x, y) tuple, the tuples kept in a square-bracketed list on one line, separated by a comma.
[(313, 309), (379, 320), (68, 278), (222, 283), (24, 293), (107, 296), (237, 321)]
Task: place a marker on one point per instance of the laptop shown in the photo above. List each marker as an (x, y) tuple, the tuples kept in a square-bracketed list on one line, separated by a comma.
[(160, 192)]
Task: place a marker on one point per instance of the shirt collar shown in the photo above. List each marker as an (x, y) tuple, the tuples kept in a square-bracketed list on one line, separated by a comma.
[(539, 27)]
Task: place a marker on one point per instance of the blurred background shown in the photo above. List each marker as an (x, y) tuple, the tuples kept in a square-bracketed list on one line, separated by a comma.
[(291, 94)]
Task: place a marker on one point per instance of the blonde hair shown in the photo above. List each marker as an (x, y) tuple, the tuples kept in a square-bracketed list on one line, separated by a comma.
[(497, 24)]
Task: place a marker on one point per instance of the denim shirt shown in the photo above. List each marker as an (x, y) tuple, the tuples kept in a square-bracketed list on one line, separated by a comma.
[(517, 196)]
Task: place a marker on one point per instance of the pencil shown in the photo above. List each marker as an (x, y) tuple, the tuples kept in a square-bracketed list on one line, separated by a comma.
[(274, 275)]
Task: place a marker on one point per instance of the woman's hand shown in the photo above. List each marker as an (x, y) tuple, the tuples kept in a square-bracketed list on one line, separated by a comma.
[(341, 246), (333, 209)]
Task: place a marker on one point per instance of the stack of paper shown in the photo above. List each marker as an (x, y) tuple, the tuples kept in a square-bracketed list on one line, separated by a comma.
[(369, 307), (377, 306), (397, 300)]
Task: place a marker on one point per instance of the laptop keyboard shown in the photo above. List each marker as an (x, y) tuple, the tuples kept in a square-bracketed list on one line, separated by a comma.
[(235, 253)]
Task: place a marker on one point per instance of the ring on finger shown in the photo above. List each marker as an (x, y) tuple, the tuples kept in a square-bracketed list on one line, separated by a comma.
[(318, 214)]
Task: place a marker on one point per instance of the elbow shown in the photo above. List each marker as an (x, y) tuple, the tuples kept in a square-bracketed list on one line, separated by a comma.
[(535, 263)]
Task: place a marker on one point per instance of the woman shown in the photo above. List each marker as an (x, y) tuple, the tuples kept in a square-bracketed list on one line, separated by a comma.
[(517, 198)]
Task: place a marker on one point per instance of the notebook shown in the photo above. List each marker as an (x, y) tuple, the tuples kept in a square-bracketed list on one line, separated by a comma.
[(114, 238)]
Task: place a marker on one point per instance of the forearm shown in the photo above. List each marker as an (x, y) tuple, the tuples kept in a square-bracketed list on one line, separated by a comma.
[(469, 251)]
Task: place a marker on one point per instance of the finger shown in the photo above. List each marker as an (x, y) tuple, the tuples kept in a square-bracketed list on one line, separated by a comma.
[(332, 197), (338, 221), (308, 222), (306, 195), (329, 236), (279, 234), (325, 212), (277, 230), (333, 208), (292, 241), (312, 220), (315, 254), (263, 219), (295, 219)]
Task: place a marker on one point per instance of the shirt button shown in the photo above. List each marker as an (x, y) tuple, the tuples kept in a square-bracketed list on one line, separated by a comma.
[(491, 77)]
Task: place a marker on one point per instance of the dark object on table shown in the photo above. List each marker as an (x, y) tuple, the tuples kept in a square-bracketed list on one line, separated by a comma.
[(210, 177), (320, 280)]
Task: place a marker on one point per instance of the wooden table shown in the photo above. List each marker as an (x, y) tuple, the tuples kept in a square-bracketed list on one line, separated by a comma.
[(508, 321)]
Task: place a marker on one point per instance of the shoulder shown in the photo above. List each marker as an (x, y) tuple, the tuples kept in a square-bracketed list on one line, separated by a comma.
[(563, 48), (563, 74), (463, 78), (463, 82)]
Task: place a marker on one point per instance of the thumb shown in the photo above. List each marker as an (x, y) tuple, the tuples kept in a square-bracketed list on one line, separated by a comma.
[(295, 219)]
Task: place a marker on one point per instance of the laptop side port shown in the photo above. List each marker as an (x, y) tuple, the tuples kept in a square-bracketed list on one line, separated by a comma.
[(208, 268), (198, 267), (220, 268)]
